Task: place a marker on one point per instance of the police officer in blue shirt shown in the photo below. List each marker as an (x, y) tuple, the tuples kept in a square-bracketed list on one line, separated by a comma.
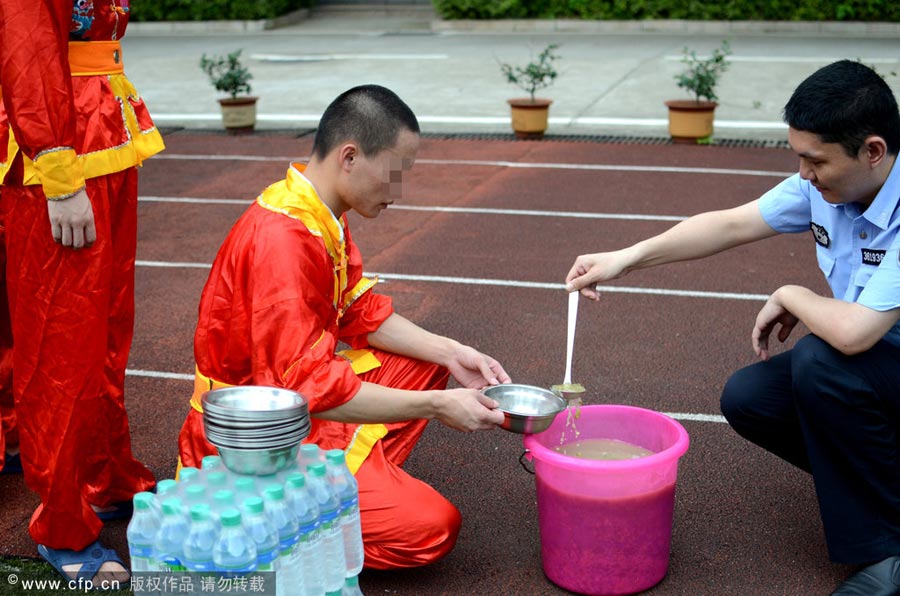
[(831, 404)]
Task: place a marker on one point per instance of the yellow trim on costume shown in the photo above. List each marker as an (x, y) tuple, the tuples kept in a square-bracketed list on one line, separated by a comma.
[(202, 384), (363, 286), (138, 146), (361, 444), (91, 58), (361, 361), (60, 172), (296, 198)]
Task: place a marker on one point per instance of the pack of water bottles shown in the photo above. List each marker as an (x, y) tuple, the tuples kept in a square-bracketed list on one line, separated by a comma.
[(298, 529)]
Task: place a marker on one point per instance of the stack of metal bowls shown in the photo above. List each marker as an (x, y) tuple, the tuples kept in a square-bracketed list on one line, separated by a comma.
[(257, 430)]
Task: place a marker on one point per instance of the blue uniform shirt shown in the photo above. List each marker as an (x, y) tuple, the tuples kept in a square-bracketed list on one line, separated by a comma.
[(858, 251)]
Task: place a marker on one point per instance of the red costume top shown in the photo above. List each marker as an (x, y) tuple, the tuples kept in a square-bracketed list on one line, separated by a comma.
[(285, 288), (67, 105)]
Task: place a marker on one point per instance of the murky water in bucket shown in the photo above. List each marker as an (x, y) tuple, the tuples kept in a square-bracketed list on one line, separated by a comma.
[(602, 449)]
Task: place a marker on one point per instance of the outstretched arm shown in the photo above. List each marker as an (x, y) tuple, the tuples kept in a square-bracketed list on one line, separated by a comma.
[(848, 327), (468, 366), (699, 236)]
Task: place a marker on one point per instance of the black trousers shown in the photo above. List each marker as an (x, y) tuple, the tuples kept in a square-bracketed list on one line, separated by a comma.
[(837, 417)]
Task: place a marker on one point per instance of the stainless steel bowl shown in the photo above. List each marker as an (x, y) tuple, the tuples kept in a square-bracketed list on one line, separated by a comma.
[(526, 409), (258, 462), (254, 403)]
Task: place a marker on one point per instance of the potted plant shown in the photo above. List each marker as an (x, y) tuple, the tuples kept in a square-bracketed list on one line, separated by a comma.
[(691, 120), (227, 74), (530, 114)]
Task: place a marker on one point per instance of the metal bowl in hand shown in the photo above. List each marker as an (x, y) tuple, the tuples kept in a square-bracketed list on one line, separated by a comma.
[(526, 409)]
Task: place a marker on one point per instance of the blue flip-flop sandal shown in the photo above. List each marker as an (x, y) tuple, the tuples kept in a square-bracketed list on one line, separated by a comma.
[(90, 558)]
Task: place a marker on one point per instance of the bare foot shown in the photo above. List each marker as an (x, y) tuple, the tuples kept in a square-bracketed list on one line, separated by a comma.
[(109, 572)]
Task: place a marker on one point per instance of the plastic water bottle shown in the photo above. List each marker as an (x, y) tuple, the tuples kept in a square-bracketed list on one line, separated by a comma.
[(329, 526), (310, 453), (307, 510), (285, 520), (265, 535), (344, 484), (201, 540), (172, 530), (244, 488), (194, 494), (211, 462), (216, 480), (234, 553), (141, 533), (222, 500), (351, 587), (187, 475), (164, 490)]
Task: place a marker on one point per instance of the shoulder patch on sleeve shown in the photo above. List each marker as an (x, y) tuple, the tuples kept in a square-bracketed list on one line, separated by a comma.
[(820, 234)]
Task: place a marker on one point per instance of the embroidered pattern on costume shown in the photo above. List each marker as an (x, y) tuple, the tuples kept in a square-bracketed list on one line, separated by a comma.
[(82, 18)]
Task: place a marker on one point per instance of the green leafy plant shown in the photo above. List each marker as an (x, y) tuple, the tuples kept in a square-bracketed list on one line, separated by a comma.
[(537, 74), (227, 74), (701, 75)]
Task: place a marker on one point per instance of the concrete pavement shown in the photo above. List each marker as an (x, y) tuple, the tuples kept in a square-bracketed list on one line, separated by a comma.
[(614, 77)]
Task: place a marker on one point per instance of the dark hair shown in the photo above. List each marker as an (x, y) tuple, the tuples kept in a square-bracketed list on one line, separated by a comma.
[(370, 115), (844, 103)]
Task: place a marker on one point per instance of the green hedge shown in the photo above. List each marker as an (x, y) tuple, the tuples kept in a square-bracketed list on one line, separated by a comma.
[(213, 10), (703, 10)]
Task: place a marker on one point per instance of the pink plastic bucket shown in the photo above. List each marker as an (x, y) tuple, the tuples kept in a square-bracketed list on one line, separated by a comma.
[(606, 526)]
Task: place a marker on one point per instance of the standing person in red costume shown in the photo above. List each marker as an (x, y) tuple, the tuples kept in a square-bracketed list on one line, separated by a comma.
[(73, 131), (287, 286)]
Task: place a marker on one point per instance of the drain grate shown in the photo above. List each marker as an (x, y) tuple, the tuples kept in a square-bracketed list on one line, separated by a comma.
[(614, 139)]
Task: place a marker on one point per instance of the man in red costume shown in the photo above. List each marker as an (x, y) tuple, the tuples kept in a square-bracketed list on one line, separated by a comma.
[(287, 286), (73, 132)]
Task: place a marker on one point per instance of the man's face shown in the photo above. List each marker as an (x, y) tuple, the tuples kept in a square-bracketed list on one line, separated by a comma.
[(839, 177), (378, 179)]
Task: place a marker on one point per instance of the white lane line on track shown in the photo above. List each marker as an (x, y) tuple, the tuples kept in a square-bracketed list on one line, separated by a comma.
[(202, 201), (155, 374), (696, 417), (438, 209), (505, 283), (504, 164)]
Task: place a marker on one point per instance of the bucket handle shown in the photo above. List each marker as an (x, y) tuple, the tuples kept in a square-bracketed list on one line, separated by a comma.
[(526, 455)]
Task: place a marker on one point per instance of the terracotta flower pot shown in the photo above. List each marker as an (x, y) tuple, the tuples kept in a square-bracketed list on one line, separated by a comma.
[(529, 118), (239, 114), (690, 120)]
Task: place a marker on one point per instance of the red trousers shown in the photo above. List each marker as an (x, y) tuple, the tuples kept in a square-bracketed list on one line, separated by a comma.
[(70, 325), (405, 522)]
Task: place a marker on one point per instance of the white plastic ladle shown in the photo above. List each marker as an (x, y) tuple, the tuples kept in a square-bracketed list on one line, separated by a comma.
[(568, 390), (570, 335)]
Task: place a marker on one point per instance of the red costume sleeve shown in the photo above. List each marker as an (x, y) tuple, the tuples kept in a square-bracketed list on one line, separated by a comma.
[(37, 88)]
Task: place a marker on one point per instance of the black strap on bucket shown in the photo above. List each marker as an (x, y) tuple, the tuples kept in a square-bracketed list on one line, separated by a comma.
[(522, 461)]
